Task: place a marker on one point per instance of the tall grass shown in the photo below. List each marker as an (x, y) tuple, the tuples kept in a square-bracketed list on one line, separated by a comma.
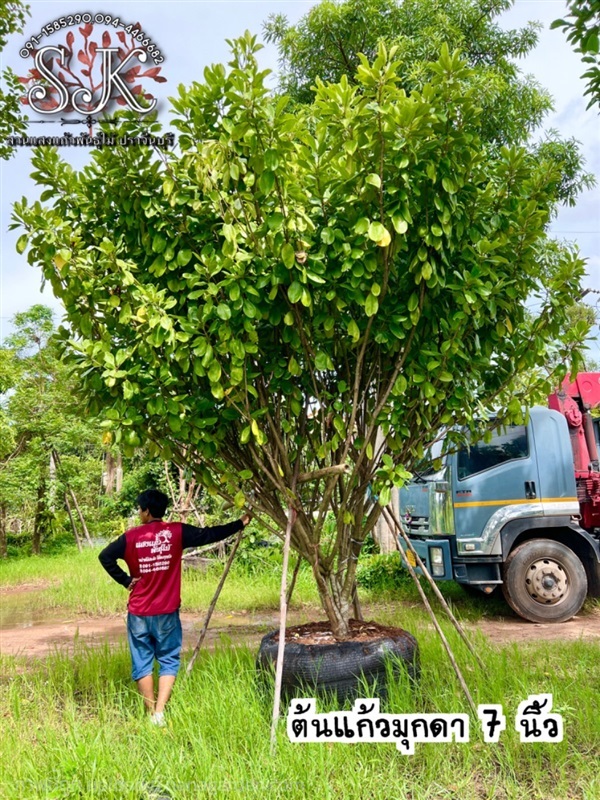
[(76, 582), (73, 727)]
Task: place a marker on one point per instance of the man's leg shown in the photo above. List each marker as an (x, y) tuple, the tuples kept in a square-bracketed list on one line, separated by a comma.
[(146, 689), (168, 636), (142, 657), (165, 687)]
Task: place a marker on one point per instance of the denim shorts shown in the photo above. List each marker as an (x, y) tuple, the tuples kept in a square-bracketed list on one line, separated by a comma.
[(156, 637)]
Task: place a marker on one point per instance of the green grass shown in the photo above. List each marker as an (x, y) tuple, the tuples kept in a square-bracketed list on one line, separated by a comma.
[(73, 727), (77, 582)]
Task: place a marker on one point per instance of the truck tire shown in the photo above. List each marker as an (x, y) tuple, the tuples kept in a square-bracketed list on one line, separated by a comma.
[(342, 668), (544, 581)]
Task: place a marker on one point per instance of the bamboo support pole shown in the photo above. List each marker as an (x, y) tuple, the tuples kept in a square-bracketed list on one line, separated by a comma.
[(460, 630), (440, 632), (282, 624), (69, 512), (213, 603)]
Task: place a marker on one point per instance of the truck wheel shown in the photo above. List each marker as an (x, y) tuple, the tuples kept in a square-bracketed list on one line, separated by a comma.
[(544, 581)]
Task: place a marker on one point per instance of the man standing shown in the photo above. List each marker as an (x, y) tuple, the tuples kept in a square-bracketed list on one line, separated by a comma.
[(153, 553)]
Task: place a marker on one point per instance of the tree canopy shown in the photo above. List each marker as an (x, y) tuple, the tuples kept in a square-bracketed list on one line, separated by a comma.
[(327, 42), (298, 302)]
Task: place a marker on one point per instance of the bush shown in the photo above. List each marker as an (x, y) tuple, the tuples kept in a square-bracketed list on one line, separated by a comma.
[(382, 573)]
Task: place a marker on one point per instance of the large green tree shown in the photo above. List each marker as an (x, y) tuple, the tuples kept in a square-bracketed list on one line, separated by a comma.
[(50, 455), (327, 42), (299, 281)]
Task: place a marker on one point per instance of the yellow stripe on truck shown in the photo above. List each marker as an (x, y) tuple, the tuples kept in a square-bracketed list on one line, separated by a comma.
[(520, 501)]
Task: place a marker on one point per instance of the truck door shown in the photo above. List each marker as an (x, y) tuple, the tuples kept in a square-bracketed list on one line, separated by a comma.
[(493, 482)]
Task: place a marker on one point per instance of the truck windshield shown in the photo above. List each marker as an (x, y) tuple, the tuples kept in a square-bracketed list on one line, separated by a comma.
[(426, 465), (506, 444)]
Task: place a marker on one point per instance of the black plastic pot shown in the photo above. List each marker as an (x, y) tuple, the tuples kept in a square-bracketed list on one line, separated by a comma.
[(341, 669)]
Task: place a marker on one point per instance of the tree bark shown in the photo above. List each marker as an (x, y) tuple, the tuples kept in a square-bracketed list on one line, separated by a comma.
[(119, 473), (110, 474), (3, 532), (39, 523)]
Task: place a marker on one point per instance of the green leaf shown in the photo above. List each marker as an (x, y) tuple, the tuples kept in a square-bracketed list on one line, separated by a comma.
[(385, 495), (400, 385), (288, 256), (323, 361), (362, 226), (223, 311), (374, 180), (22, 243), (295, 291), (371, 305), (376, 231), (293, 367), (214, 372), (266, 182), (400, 224), (159, 243), (354, 330), (413, 301), (449, 185)]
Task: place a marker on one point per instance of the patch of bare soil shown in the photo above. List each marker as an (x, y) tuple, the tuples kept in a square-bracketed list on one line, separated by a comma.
[(512, 629), (20, 588), (320, 632), (39, 639)]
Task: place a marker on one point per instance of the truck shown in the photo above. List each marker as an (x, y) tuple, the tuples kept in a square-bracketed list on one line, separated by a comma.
[(520, 511)]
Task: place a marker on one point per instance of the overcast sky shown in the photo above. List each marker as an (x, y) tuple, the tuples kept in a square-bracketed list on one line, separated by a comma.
[(192, 34)]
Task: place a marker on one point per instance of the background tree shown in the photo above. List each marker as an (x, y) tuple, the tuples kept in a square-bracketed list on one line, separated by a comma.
[(51, 456), (583, 31), (327, 41), (12, 19), (300, 278)]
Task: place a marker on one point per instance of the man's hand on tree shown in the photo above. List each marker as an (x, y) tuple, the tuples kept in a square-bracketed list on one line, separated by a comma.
[(246, 519)]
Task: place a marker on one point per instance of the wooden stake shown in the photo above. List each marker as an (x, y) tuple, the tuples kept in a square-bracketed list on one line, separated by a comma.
[(460, 630), (282, 624), (436, 624), (75, 534), (58, 463), (213, 603)]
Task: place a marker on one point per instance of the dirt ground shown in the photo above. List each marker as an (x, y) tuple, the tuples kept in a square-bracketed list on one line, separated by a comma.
[(37, 635)]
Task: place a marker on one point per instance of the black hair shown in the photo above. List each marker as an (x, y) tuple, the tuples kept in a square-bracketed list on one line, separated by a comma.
[(153, 501)]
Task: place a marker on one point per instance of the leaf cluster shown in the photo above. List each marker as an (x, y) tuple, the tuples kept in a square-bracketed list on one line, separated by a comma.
[(582, 26)]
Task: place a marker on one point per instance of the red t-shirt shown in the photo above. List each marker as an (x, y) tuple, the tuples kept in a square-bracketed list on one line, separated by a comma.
[(153, 553)]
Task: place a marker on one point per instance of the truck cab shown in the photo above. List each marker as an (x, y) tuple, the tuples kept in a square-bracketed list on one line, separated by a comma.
[(506, 513)]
